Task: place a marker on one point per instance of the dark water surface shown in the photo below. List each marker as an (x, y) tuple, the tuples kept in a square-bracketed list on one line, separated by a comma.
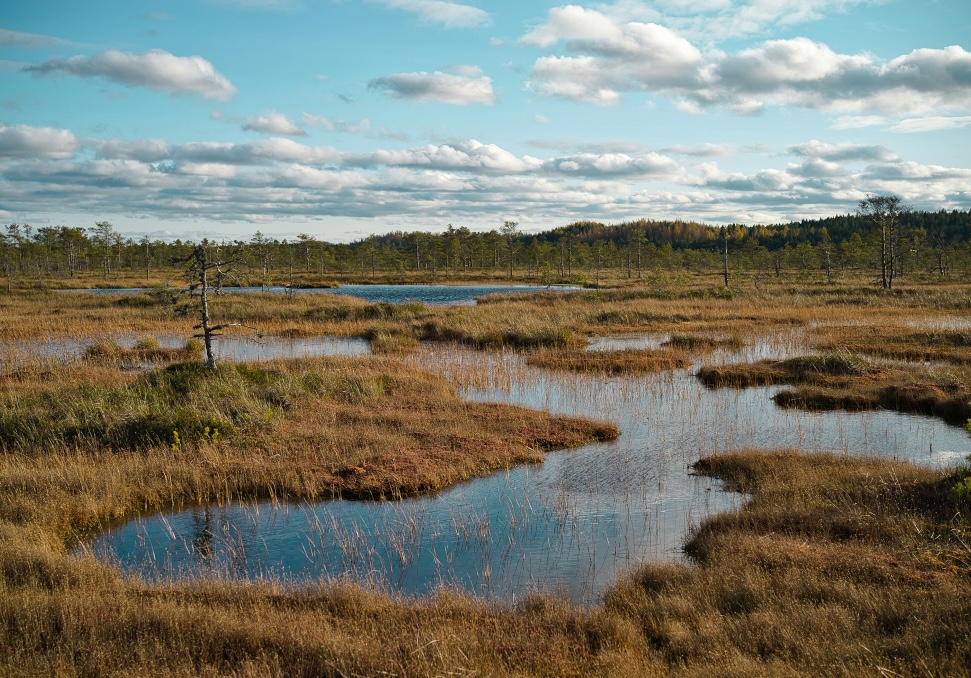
[(434, 295)]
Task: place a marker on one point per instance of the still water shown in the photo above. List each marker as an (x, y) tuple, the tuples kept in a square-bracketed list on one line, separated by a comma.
[(571, 525), (434, 295)]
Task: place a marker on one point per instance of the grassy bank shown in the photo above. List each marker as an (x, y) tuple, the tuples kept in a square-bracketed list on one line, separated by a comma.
[(836, 566), (848, 382)]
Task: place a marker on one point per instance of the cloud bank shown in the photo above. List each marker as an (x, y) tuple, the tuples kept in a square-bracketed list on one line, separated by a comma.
[(605, 58)]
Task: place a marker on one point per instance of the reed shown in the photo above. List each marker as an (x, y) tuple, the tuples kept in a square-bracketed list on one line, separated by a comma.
[(624, 361)]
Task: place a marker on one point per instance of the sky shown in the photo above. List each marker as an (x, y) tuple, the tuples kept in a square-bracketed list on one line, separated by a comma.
[(343, 118)]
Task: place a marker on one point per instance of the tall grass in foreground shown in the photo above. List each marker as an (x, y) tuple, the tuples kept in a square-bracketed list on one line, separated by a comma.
[(837, 566)]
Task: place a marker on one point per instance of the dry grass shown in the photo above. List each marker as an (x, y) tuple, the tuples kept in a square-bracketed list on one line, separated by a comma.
[(942, 346), (624, 361), (844, 381), (836, 566)]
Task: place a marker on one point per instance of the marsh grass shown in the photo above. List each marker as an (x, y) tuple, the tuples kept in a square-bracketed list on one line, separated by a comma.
[(146, 350), (835, 566), (623, 361), (944, 346), (846, 381), (704, 344)]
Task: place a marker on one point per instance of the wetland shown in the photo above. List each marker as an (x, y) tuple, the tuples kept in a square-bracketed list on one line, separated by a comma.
[(614, 479)]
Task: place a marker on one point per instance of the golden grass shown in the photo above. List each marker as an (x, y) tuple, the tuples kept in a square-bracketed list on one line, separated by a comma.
[(843, 381), (623, 361), (837, 565)]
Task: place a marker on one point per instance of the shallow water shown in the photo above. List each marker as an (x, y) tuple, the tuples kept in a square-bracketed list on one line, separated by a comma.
[(238, 348), (435, 295), (571, 525)]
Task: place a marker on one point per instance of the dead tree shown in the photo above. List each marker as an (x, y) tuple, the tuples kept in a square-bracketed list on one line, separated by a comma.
[(206, 276)]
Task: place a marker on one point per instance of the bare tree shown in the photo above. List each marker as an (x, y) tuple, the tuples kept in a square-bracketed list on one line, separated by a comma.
[(883, 213), (206, 276)]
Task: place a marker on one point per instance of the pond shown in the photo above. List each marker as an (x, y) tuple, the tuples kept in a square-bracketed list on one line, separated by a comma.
[(571, 525), (434, 295)]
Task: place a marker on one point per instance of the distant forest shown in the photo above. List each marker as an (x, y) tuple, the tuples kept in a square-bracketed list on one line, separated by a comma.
[(937, 243)]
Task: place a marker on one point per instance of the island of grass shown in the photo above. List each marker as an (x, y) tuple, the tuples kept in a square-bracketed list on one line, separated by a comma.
[(849, 382)]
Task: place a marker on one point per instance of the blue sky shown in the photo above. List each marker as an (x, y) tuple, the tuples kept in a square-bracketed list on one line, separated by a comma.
[(341, 118)]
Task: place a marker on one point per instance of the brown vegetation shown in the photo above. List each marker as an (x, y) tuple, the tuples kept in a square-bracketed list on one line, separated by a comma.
[(843, 381), (624, 361), (836, 565)]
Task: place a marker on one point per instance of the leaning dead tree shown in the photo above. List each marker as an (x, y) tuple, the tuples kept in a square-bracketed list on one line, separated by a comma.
[(206, 276)]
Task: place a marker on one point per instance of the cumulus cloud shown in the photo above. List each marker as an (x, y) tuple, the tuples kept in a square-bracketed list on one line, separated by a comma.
[(470, 156), (808, 74), (610, 57), (155, 69), (713, 20), (915, 171), (280, 178), (617, 164), (843, 152), (144, 150), (817, 168), (274, 123), (469, 85), (23, 141), (606, 57), (448, 14), (258, 153)]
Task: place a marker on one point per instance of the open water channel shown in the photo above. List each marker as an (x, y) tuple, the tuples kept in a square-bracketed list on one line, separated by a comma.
[(571, 525)]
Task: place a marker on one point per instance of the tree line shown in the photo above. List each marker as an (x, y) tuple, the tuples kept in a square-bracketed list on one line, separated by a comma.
[(919, 242)]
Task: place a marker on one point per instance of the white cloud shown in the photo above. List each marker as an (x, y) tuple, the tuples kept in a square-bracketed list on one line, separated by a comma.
[(467, 86), (205, 169), (573, 22), (702, 150), (714, 20), (931, 124), (274, 123), (23, 141), (22, 40), (843, 152), (448, 14), (470, 156), (144, 150), (607, 58), (258, 153), (858, 121), (611, 57), (155, 69), (815, 167), (616, 164), (362, 126)]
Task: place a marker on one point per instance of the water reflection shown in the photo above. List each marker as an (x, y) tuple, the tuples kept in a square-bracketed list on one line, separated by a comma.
[(571, 524), (435, 295)]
